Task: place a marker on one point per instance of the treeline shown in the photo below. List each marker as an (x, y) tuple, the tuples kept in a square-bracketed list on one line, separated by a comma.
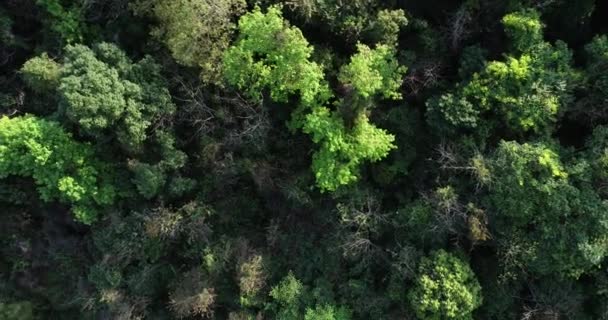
[(304, 159)]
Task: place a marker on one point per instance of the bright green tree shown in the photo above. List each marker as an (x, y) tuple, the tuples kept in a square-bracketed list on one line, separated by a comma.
[(445, 288), (62, 168), (524, 28), (343, 150), (269, 54), (290, 298), (327, 312), (287, 295), (374, 72), (527, 92), (41, 73)]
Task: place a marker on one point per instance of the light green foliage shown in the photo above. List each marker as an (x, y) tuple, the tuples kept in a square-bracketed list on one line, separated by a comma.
[(524, 28), (102, 90), (62, 168), (196, 32), (289, 299), (68, 23), (341, 150), (270, 54), (41, 73), (528, 92), (446, 288), (547, 208), (287, 295), (373, 72), (456, 110), (287, 291), (327, 312)]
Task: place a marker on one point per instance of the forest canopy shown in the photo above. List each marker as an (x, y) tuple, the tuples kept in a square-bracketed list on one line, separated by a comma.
[(304, 159)]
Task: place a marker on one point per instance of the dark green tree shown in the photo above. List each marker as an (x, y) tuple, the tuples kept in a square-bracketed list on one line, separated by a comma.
[(549, 219), (105, 93)]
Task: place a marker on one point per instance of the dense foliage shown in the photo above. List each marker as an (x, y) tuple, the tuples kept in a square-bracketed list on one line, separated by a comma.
[(304, 159), (61, 167)]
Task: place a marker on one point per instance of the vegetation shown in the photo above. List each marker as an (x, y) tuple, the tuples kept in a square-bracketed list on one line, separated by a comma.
[(303, 159)]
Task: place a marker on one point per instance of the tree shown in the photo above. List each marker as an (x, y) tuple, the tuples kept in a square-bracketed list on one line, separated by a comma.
[(62, 168), (283, 65), (528, 92), (151, 179), (68, 23), (41, 73), (548, 218), (327, 312), (597, 151), (446, 288), (591, 108), (385, 28), (102, 90), (352, 20), (192, 296), (290, 297), (374, 72), (196, 32), (270, 54), (524, 28), (341, 152), (287, 294)]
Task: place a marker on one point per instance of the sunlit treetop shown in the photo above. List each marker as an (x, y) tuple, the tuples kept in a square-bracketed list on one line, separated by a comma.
[(271, 54), (524, 28), (62, 168), (374, 72)]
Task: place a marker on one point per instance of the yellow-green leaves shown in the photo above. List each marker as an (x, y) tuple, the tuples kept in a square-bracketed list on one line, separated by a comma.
[(271, 55), (446, 288), (374, 72), (62, 168), (41, 73), (528, 91), (524, 28)]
